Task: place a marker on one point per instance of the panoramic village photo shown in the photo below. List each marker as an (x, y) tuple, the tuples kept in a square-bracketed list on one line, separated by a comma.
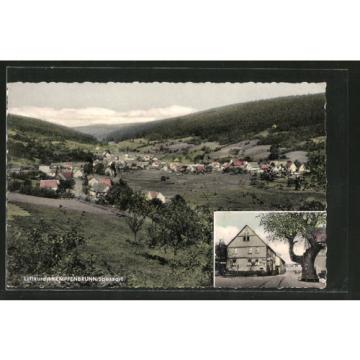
[(116, 184), (270, 249)]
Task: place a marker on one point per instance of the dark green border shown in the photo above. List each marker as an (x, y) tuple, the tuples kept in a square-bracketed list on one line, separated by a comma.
[(343, 85)]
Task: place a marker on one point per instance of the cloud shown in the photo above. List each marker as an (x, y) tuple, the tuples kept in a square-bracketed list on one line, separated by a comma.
[(96, 115), (225, 233)]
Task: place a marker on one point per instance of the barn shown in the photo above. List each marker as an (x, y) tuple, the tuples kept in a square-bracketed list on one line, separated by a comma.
[(248, 254)]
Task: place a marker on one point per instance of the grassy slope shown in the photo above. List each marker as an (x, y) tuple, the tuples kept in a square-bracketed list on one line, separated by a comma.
[(235, 122), (108, 237), (41, 128), (29, 137)]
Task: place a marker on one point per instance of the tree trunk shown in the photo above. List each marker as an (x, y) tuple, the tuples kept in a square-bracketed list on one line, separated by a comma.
[(307, 261), (308, 264)]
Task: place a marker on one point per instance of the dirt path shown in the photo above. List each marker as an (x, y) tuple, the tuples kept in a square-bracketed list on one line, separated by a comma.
[(287, 280), (71, 204)]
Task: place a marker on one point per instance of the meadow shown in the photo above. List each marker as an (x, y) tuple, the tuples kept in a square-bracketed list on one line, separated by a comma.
[(223, 191), (110, 240)]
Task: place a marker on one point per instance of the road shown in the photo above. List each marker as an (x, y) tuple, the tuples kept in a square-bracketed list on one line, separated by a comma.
[(287, 280), (70, 204)]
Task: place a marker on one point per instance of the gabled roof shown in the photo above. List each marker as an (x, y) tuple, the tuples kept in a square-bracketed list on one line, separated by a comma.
[(266, 244), (105, 181), (48, 184)]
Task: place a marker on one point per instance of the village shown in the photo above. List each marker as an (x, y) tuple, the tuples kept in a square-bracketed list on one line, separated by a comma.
[(92, 180)]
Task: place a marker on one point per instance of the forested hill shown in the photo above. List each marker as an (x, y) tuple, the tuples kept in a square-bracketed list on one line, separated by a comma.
[(34, 141), (238, 121), (40, 128)]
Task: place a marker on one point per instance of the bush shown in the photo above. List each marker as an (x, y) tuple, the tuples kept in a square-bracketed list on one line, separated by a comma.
[(44, 251)]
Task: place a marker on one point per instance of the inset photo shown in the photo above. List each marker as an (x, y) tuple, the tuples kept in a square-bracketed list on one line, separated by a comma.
[(276, 249)]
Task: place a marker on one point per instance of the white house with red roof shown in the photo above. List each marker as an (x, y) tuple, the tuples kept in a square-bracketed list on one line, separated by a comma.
[(151, 195), (49, 184)]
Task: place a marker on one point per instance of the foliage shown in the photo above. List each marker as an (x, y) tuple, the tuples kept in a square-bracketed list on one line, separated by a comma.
[(44, 251), (66, 185), (137, 212), (99, 168), (177, 225), (40, 141), (36, 191), (236, 122), (88, 168), (120, 195), (293, 226), (316, 165), (274, 152), (40, 128)]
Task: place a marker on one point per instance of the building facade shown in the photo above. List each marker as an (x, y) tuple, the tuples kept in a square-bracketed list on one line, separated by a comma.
[(248, 254)]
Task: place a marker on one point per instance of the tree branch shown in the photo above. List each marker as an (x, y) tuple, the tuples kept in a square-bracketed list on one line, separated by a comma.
[(296, 258)]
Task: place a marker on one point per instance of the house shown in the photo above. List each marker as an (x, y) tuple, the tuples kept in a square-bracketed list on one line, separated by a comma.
[(93, 181), (156, 164), (49, 171), (291, 167), (173, 166), (216, 166), (200, 168), (106, 182), (49, 184), (67, 166), (78, 174), (106, 154), (99, 190), (252, 167), (151, 195), (238, 163), (301, 169), (109, 172), (248, 254)]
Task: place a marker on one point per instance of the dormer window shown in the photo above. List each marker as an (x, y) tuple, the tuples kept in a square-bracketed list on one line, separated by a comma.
[(246, 236)]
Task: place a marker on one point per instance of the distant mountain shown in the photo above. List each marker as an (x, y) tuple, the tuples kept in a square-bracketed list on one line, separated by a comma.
[(41, 128), (34, 141), (101, 131), (303, 114)]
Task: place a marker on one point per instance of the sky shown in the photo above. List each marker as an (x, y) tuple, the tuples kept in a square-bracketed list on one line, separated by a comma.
[(227, 224), (80, 104)]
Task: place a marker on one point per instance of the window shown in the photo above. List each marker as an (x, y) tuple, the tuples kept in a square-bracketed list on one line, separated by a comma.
[(246, 237), (257, 251), (250, 250), (235, 251)]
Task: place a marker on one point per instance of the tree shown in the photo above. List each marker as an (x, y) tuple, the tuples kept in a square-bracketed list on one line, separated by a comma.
[(221, 256), (316, 165), (176, 225), (85, 185), (99, 168), (274, 152), (300, 226), (66, 184), (120, 195), (45, 251), (88, 168), (137, 213)]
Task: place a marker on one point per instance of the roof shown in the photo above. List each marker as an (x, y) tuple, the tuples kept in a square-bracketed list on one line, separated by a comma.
[(266, 244), (152, 194), (105, 181), (66, 174), (238, 162), (48, 184)]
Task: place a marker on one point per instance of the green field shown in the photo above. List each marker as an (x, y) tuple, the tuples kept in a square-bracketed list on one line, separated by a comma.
[(109, 238), (223, 191)]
